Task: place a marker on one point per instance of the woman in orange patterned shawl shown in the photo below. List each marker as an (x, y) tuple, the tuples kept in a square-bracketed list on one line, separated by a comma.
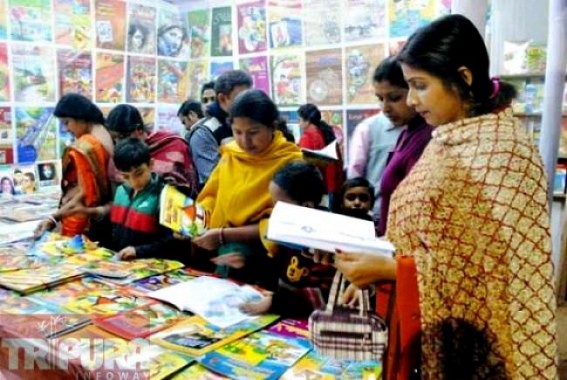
[(84, 163), (472, 218)]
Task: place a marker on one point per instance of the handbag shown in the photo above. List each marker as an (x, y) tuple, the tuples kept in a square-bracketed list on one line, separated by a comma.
[(347, 333)]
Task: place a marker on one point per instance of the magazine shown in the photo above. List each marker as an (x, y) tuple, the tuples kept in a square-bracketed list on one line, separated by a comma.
[(312, 228), (181, 213), (316, 366), (220, 307)]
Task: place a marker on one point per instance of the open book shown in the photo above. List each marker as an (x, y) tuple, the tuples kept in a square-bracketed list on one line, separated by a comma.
[(214, 299), (311, 228), (328, 153), (180, 213)]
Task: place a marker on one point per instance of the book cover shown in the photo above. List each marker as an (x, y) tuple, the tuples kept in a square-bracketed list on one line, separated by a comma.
[(28, 20), (168, 120), (200, 27), (73, 23), (333, 117), (195, 336), (198, 76), (316, 366), (219, 67), (560, 179), (153, 283), (324, 77), (6, 138), (140, 322), (405, 17), (75, 72), (141, 87), (181, 213), (257, 67), (261, 355), (563, 138), (312, 228), (14, 304), (49, 174), (287, 80), (28, 281), (172, 81), (221, 33), (33, 73), (110, 16), (4, 74), (104, 302), (361, 25), (220, 307), (36, 134), (173, 34), (3, 19), (197, 372), (359, 64), (322, 21), (354, 117), (290, 327), (285, 23), (141, 29), (252, 27)]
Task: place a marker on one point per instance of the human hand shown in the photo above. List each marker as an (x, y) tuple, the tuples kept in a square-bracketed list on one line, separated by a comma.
[(234, 260), (322, 257), (210, 240), (43, 226), (128, 253), (363, 269), (259, 307), (74, 207)]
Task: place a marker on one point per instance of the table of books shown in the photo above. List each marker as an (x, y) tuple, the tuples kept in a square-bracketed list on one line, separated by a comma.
[(70, 310)]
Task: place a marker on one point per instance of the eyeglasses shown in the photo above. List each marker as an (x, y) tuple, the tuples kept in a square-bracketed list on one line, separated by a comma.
[(208, 99), (361, 197)]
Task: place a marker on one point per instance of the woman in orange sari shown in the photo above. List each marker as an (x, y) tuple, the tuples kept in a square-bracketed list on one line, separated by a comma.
[(85, 163)]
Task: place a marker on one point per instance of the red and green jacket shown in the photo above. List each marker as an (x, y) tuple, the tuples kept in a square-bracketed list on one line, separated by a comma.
[(135, 221)]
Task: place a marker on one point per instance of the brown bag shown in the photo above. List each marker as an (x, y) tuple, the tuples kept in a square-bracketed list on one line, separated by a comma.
[(348, 333)]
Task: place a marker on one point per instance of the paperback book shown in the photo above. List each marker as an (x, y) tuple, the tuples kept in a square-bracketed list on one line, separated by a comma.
[(181, 213)]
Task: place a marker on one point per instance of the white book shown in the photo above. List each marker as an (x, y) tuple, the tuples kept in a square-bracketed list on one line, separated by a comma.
[(214, 299), (328, 153), (312, 228)]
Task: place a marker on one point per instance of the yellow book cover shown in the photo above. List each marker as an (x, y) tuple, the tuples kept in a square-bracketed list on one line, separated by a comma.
[(181, 213)]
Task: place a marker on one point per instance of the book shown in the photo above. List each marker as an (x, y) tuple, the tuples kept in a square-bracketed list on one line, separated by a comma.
[(312, 228), (560, 179), (290, 327), (327, 154), (261, 355), (181, 213), (140, 322), (107, 302), (195, 336), (219, 307), (197, 372), (28, 281), (150, 284)]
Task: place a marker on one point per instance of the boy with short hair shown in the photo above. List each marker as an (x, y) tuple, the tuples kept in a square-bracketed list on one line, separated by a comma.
[(136, 232)]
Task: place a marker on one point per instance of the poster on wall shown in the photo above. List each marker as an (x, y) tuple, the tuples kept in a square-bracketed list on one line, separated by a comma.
[(444, 7), (324, 77), (141, 79), (148, 114), (252, 27), (109, 84), (110, 16), (360, 24), (322, 22), (66, 138), (221, 33), (6, 136), (360, 63), (395, 46), (406, 16), (167, 120), (172, 37), (73, 23), (48, 174), (33, 69), (3, 19), (172, 81), (287, 80), (284, 23), (333, 117), (219, 67), (36, 133), (198, 75), (75, 72), (28, 20), (200, 27), (354, 117), (141, 29), (4, 74), (257, 67), (25, 179)]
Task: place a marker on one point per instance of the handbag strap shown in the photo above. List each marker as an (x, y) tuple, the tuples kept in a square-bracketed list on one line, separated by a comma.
[(338, 288)]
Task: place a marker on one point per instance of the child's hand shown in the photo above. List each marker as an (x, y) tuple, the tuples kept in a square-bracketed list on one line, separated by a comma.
[(127, 253), (210, 240), (234, 260), (260, 307)]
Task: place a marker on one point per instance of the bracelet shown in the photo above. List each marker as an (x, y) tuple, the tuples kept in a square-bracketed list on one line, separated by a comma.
[(52, 219), (221, 236)]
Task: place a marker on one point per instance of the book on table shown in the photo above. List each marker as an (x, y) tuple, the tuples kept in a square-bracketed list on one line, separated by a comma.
[(304, 227)]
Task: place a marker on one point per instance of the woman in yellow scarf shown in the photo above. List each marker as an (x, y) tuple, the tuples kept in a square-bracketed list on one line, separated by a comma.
[(236, 194)]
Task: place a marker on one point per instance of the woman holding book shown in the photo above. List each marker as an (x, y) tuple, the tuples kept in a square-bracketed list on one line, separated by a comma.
[(470, 225), (236, 194)]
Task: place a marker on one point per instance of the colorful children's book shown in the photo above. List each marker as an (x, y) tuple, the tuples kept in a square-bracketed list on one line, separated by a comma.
[(181, 213), (290, 327), (195, 336), (560, 180), (219, 307), (23, 306), (197, 372), (13, 259), (27, 281), (150, 284), (104, 302), (315, 366), (140, 322), (262, 355), (155, 362)]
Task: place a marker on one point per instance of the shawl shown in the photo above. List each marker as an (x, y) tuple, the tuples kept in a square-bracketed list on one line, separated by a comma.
[(84, 164), (473, 214)]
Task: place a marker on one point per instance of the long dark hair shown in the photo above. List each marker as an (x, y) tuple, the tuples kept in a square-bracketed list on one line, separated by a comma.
[(310, 112), (446, 45), (390, 70), (256, 105)]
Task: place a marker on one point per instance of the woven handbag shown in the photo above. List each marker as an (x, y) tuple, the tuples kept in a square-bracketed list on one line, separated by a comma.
[(348, 333)]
